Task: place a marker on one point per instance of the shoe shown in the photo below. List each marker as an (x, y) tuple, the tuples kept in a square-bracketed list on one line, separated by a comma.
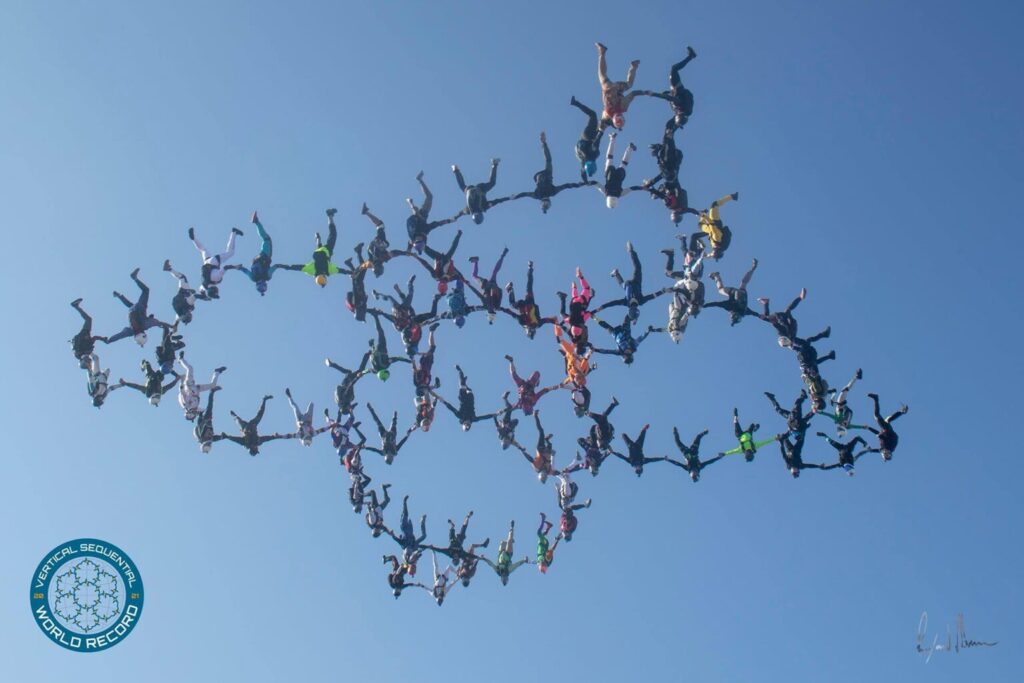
[(237, 232), (331, 212)]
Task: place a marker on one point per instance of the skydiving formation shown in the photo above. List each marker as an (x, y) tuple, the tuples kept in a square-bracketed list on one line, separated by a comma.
[(460, 286)]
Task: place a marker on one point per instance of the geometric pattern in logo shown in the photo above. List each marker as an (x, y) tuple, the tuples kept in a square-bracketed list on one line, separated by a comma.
[(86, 595)]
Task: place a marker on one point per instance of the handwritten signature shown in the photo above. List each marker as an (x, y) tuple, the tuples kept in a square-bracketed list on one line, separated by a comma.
[(961, 642)]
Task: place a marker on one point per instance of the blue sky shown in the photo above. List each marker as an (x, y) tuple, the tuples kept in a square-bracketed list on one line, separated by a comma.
[(878, 152)]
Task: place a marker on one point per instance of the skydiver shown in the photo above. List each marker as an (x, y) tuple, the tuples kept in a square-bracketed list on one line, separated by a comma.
[(190, 392), (528, 313), (357, 489), (847, 459), (490, 291), (389, 442), (321, 267), (154, 388), (545, 180), (411, 544), (747, 446), (633, 287), (442, 587), (783, 321), (98, 383), (456, 551), (345, 393), (568, 522), (466, 412), (841, 413), (84, 342), (443, 267), (677, 95), (378, 252), (184, 300), (396, 577), (711, 224), (204, 432), (341, 437), (467, 568), (380, 359), (477, 202), (250, 437), (603, 432), (422, 368), (735, 297), (635, 457), (613, 93), (375, 510), (139, 318), (263, 267), (304, 429), (575, 319), (626, 345), (168, 348), (614, 175), (792, 454), (418, 225), (213, 264), (505, 424), (588, 147), (528, 394), (545, 550), (543, 460), (888, 439), (505, 566), (691, 461)]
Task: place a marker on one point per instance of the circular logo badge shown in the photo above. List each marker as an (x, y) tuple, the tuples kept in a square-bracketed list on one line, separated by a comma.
[(86, 595)]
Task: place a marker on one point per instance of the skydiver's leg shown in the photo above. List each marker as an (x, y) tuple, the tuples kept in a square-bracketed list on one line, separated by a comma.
[(796, 302), (489, 185), (259, 413), (332, 232), (673, 77), (428, 197), (590, 130), (462, 378), (628, 153), (458, 178), (602, 67), (746, 278), (631, 74), (454, 246), (548, 168), (394, 424), (378, 223), (609, 157), (497, 266), (638, 273), (143, 303), (824, 334), (695, 446), (541, 442), (376, 420), (229, 250)]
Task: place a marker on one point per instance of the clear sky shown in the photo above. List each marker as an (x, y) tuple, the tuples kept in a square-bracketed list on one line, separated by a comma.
[(878, 151)]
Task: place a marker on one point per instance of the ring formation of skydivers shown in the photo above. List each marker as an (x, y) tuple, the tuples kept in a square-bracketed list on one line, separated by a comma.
[(480, 292)]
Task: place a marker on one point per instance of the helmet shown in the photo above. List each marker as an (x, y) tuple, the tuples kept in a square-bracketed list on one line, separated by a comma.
[(785, 342), (466, 426), (191, 415), (261, 287), (205, 446), (886, 454), (154, 400), (795, 471), (186, 317), (545, 204), (694, 476), (676, 216), (478, 218), (321, 280), (676, 335), (633, 311), (442, 287), (542, 477), (490, 318), (612, 202), (140, 339), (618, 120), (589, 167), (418, 244), (460, 321), (383, 374)]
